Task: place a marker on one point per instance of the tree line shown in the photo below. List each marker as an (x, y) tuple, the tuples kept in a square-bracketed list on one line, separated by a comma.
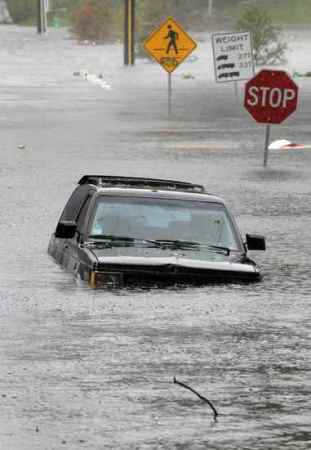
[(22, 10), (102, 20)]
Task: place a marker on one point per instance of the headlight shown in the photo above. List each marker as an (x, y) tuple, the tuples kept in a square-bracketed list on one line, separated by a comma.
[(105, 279)]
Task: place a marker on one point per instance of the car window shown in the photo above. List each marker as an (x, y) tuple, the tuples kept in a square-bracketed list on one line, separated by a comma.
[(149, 218), (83, 213), (75, 203)]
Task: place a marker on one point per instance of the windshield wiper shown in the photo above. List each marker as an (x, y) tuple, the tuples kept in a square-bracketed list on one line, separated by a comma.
[(95, 238), (171, 243), (111, 237), (179, 244)]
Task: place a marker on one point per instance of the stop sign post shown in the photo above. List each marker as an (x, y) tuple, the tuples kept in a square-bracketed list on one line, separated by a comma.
[(270, 97)]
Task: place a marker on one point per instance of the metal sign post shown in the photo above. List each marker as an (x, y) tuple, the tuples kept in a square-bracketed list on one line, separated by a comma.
[(267, 142), (236, 91), (44, 17), (210, 8), (169, 45), (41, 17), (170, 94), (129, 32)]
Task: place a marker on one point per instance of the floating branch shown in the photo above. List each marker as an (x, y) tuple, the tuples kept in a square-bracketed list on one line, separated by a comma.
[(199, 395)]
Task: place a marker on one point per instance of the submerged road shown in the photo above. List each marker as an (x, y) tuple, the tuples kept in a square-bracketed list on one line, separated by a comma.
[(90, 369)]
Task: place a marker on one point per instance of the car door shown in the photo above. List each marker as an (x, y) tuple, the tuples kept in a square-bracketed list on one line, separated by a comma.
[(58, 247), (71, 248)]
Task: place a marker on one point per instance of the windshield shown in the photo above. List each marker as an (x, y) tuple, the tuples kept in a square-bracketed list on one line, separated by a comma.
[(162, 219)]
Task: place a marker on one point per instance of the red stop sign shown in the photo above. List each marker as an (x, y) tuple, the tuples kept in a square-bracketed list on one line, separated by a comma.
[(271, 96)]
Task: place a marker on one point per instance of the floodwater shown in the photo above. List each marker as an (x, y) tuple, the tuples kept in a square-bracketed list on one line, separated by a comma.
[(94, 369)]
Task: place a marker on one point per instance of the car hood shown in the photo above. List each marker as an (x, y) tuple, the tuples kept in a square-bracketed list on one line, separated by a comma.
[(196, 259)]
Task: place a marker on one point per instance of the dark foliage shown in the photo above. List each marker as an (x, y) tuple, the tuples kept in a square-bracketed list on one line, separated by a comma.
[(21, 10), (268, 46), (93, 20)]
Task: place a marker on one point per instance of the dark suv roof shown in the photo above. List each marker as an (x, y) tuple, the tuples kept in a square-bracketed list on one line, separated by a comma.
[(148, 187), (144, 183)]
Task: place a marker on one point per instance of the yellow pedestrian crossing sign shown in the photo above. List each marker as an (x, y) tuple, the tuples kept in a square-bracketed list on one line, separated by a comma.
[(169, 45)]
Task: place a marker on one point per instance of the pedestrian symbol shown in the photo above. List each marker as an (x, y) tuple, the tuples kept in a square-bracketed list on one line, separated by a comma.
[(172, 36), (169, 45)]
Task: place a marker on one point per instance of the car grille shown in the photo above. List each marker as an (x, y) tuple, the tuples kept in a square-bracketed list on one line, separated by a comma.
[(175, 274)]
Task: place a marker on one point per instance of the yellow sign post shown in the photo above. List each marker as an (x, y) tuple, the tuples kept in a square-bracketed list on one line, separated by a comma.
[(169, 45)]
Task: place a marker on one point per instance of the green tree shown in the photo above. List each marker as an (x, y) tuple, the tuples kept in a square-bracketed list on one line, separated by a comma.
[(267, 44)]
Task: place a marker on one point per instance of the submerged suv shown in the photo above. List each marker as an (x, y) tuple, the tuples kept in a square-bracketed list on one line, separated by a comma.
[(122, 230)]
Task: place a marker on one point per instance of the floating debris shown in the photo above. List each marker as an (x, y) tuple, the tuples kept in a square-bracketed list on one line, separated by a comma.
[(96, 79), (302, 75), (21, 146), (192, 58), (199, 395), (188, 76), (284, 144)]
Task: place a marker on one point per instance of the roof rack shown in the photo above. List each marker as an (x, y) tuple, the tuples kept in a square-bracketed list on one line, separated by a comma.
[(108, 180)]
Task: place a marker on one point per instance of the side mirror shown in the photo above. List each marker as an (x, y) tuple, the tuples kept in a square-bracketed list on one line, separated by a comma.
[(255, 242), (66, 229)]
